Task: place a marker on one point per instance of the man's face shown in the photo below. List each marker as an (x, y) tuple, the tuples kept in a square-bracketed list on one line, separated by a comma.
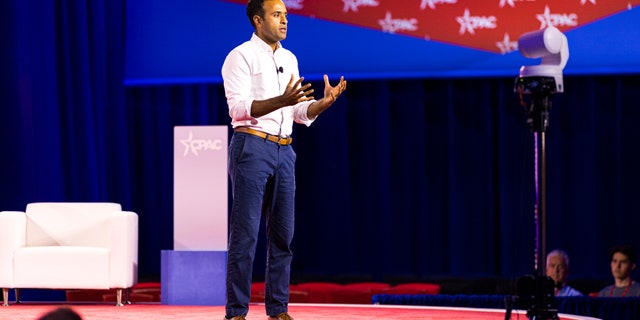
[(556, 269), (273, 27), (621, 266)]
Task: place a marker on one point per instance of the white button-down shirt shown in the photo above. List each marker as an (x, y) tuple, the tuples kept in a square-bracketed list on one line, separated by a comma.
[(251, 72)]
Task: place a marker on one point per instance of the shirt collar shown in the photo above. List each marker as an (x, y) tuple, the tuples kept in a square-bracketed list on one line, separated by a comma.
[(263, 45)]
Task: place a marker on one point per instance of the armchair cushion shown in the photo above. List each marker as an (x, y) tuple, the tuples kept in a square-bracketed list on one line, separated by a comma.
[(62, 267)]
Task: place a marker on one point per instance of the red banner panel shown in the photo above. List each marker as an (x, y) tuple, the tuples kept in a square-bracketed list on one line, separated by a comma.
[(492, 26)]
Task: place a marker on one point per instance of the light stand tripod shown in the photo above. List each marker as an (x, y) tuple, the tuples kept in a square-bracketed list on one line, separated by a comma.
[(535, 293)]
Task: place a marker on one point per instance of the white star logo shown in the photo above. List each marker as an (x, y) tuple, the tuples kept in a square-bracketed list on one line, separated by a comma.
[(506, 45), (294, 4), (187, 144), (430, 3), (582, 2), (465, 22), (349, 5), (511, 3), (545, 18), (391, 25), (354, 4)]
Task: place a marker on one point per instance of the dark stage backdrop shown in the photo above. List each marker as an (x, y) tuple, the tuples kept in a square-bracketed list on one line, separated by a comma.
[(414, 177)]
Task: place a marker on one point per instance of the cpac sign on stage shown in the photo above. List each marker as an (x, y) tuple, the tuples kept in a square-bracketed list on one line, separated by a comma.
[(193, 273), (200, 188)]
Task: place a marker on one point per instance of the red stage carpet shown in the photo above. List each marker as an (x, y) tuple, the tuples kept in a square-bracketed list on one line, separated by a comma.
[(32, 311)]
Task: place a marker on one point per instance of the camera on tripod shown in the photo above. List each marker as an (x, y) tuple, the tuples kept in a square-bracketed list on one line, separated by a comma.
[(551, 46), (543, 80), (536, 293)]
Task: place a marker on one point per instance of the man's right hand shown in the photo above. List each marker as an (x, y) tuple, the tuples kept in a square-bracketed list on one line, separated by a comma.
[(296, 92), (293, 93)]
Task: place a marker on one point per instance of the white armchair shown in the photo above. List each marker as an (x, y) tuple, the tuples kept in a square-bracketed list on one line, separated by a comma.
[(68, 245)]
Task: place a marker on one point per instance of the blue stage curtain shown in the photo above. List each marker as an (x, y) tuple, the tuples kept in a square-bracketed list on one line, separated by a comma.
[(411, 177), (444, 300), (601, 308)]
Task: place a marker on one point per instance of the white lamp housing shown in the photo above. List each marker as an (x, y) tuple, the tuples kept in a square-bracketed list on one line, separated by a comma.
[(549, 44)]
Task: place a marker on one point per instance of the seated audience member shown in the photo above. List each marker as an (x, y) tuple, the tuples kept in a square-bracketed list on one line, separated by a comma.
[(62, 313), (558, 271), (623, 261)]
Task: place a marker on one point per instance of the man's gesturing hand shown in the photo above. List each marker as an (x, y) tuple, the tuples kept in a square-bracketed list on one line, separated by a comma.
[(293, 93), (332, 93), (296, 92), (330, 96)]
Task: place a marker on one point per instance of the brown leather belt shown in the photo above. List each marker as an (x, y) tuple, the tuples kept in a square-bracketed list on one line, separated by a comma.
[(279, 140)]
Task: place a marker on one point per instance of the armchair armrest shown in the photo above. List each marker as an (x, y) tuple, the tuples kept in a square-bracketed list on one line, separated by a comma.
[(13, 225), (124, 249)]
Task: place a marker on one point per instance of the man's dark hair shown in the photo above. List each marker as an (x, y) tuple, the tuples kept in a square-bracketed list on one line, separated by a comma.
[(62, 313), (626, 249), (255, 8)]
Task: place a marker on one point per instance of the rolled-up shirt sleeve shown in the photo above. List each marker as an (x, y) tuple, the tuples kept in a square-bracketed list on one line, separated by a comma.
[(300, 113), (237, 85)]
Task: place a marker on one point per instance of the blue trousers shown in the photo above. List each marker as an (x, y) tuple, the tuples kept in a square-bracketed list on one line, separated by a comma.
[(262, 184)]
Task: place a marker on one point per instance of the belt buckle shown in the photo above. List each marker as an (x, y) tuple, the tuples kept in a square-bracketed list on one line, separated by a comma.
[(283, 141), (273, 138)]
